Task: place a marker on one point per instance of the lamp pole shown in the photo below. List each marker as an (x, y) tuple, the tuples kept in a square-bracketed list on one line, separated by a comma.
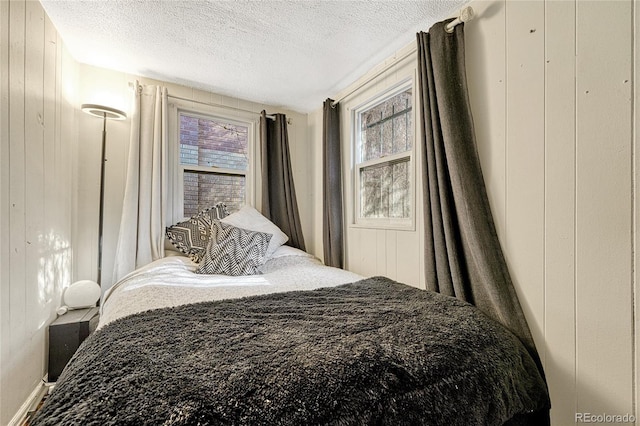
[(105, 113), (101, 217)]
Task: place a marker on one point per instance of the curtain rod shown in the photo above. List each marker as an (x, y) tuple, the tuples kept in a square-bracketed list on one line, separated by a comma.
[(213, 104), (465, 15), (271, 116)]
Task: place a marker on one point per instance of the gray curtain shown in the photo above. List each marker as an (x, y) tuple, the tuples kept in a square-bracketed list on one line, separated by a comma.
[(463, 257), (279, 202), (332, 186)]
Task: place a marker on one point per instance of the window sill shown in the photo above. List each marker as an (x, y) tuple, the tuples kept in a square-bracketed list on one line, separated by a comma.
[(385, 225)]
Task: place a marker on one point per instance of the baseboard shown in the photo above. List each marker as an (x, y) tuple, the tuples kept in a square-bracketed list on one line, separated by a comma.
[(30, 404)]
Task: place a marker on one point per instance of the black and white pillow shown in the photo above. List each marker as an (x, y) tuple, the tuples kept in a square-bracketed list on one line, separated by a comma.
[(219, 211), (192, 236), (250, 218), (234, 251)]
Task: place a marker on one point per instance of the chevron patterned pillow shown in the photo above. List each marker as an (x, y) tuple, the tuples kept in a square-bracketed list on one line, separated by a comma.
[(192, 235), (234, 251)]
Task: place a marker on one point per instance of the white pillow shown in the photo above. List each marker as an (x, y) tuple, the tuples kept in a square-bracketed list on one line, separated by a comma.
[(249, 218), (289, 251)]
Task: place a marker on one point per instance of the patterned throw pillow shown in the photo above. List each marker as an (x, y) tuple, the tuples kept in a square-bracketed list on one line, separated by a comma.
[(234, 251), (249, 218), (192, 236)]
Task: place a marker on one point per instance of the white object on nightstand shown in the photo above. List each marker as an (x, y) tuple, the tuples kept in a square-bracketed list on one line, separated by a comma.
[(82, 294)]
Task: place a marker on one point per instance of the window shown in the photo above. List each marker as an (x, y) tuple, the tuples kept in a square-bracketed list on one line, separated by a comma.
[(213, 162), (383, 169)]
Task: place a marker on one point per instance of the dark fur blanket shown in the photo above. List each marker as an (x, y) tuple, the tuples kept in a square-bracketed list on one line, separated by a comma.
[(371, 352)]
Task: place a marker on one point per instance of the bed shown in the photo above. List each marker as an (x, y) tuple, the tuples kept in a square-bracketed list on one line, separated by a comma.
[(297, 343)]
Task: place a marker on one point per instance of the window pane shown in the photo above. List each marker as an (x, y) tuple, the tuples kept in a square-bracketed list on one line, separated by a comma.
[(384, 191), (202, 190), (385, 128), (387, 138), (213, 143), (371, 143)]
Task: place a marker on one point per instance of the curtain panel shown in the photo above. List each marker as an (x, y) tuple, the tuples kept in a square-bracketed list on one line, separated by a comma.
[(463, 257), (333, 237), (279, 202), (141, 236)]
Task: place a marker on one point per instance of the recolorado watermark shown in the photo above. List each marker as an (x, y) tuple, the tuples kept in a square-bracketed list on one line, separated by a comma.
[(604, 418)]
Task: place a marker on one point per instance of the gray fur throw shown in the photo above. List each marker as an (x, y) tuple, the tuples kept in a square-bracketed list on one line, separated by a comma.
[(372, 352)]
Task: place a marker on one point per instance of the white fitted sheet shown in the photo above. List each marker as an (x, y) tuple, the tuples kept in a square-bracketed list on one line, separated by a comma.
[(172, 282)]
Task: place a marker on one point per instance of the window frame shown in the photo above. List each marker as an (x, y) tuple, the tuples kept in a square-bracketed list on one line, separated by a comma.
[(177, 170), (402, 224)]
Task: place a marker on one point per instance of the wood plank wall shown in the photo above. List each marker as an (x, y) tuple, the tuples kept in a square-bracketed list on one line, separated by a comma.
[(37, 135), (552, 88), (552, 91)]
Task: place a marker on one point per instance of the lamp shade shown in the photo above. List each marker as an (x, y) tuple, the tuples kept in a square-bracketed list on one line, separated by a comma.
[(104, 111)]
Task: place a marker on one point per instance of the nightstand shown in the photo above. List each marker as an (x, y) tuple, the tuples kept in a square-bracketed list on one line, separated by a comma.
[(66, 334)]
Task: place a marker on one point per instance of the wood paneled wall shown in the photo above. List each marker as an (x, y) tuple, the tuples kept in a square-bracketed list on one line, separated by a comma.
[(552, 91), (37, 148), (552, 88)]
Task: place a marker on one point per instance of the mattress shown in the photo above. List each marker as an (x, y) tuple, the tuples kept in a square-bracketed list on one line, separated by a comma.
[(171, 281)]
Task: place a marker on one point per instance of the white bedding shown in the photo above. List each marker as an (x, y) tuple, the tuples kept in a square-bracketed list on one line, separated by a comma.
[(172, 281)]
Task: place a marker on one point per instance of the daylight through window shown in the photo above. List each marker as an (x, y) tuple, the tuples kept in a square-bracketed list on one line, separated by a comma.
[(385, 144), (214, 161)]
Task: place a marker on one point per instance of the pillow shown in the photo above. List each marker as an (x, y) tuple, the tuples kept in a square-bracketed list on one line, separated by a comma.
[(192, 236), (289, 251), (234, 251), (251, 219), (220, 210)]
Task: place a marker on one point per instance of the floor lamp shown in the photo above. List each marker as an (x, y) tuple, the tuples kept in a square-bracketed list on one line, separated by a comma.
[(106, 113)]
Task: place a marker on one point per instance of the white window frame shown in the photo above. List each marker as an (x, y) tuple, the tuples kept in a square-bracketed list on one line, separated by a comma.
[(176, 175), (407, 224)]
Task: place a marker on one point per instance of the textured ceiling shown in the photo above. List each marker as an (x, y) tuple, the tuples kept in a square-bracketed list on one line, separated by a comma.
[(285, 53)]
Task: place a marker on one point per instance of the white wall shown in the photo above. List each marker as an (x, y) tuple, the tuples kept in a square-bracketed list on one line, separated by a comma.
[(37, 161), (111, 88), (551, 85), (552, 92)]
